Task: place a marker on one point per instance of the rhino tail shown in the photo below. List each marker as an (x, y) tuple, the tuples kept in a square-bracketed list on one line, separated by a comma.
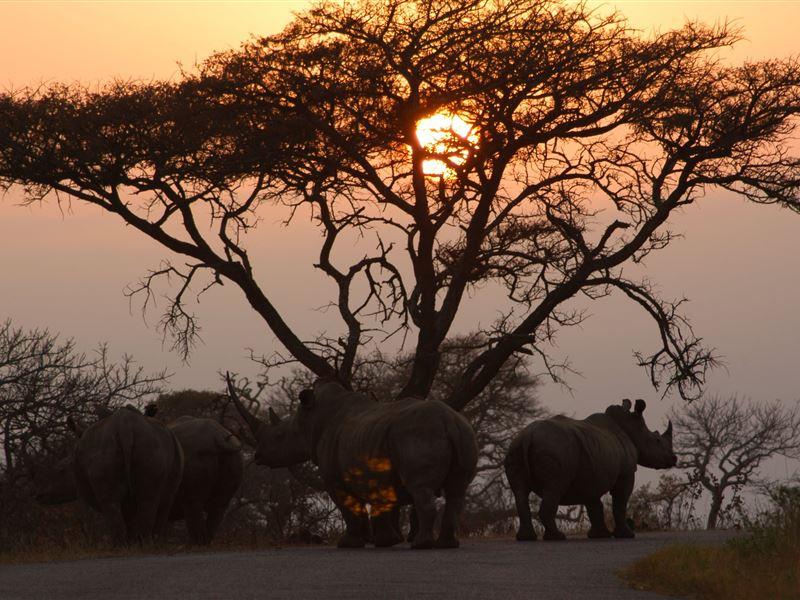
[(228, 443), (525, 448)]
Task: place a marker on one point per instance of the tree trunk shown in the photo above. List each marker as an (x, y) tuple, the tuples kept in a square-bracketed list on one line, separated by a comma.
[(713, 514), (423, 371)]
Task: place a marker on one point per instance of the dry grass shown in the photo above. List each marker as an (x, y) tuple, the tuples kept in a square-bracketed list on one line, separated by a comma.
[(53, 552), (716, 573), (84, 549), (764, 564)]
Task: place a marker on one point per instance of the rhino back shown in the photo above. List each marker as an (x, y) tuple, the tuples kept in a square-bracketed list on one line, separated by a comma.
[(423, 426), (100, 463), (388, 436), (212, 459), (204, 436), (125, 453), (582, 457)]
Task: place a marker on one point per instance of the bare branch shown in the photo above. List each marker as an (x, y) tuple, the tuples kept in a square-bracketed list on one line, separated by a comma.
[(724, 442)]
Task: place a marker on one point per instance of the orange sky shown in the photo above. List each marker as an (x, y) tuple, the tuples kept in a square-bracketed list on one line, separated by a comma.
[(739, 263), (91, 41)]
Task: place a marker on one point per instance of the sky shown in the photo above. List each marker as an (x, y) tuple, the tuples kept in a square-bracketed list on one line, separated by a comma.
[(66, 269)]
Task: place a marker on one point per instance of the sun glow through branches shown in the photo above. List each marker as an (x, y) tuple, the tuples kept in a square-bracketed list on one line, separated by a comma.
[(446, 134)]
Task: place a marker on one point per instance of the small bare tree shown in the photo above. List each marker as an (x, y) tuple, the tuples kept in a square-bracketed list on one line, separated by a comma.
[(669, 504), (43, 380), (723, 442)]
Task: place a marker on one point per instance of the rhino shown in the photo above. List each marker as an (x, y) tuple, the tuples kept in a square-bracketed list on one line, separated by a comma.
[(127, 467), (212, 472), (567, 461), (381, 454)]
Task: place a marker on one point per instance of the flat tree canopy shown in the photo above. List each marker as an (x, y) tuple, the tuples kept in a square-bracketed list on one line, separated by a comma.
[(549, 110)]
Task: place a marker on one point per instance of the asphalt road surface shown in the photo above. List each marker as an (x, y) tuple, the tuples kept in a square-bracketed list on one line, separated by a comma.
[(486, 569)]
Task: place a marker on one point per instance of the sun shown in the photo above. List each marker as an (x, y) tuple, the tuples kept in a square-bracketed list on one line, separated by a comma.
[(447, 134)]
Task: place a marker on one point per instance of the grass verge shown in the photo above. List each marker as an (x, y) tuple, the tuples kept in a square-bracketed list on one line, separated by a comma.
[(764, 563), (50, 552), (716, 573)]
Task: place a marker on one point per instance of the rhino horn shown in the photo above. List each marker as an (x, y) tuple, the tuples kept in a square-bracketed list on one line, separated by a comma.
[(274, 419), (626, 404), (252, 421), (640, 406), (668, 431)]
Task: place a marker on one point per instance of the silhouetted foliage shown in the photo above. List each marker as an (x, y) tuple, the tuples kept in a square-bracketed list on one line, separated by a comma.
[(760, 562), (44, 380), (775, 532), (724, 441), (669, 504), (572, 111)]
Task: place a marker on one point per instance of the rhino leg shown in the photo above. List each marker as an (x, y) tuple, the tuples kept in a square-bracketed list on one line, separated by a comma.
[(355, 518), (353, 535), (425, 507), (394, 517), (452, 509), (412, 521), (413, 525), (620, 494), (144, 520), (518, 482), (384, 532), (525, 533), (117, 522), (547, 515), (195, 522), (213, 521), (597, 518), (168, 485)]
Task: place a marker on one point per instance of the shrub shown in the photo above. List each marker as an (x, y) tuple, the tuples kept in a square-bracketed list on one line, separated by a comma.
[(763, 563)]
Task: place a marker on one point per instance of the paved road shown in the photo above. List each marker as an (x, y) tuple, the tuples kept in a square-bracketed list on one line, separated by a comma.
[(486, 569)]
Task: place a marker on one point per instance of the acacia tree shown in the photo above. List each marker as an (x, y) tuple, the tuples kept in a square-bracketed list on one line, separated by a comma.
[(567, 111), (723, 443)]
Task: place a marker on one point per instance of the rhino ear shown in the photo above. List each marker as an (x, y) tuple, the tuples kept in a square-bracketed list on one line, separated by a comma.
[(75, 427), (626, 404), (640, 406), (306, 397), (274, 419)]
